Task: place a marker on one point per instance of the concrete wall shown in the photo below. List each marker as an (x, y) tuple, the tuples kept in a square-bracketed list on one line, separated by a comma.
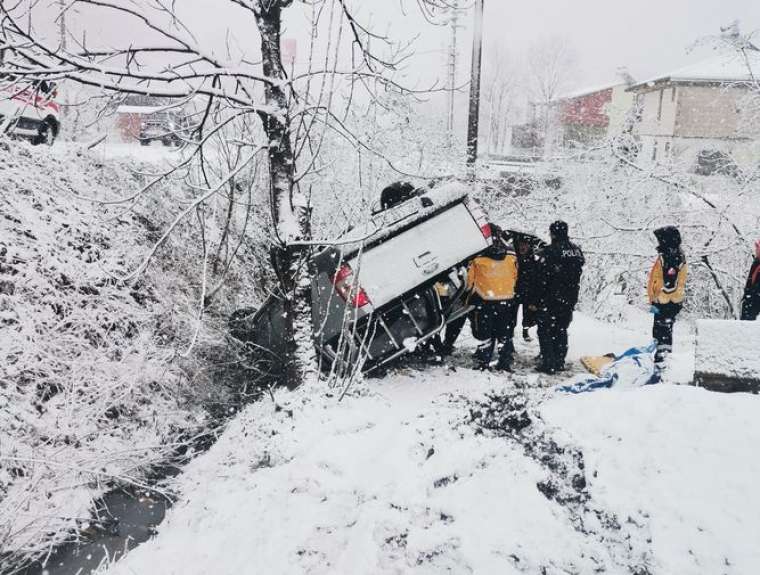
[(659, 109), (679, 121), (618, 108), (708, 112)]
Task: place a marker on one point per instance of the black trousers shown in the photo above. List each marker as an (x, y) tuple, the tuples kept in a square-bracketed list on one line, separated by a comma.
[(529, 316), (662, 328), (552, 336), (750, 307), (494, 322)]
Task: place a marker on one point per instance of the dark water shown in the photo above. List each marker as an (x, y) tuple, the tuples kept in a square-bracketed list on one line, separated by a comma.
[(126, 516), (125, 519)]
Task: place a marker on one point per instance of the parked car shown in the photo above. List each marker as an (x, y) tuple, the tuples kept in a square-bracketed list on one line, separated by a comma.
[(711, 162), (30, 110), (373, 296), (166, 127)]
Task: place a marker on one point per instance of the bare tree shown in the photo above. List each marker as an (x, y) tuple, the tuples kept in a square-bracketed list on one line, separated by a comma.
[(551, 67), (500, 103), (295, 112)]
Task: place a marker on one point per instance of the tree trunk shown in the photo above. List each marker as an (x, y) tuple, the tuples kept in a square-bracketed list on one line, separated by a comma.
[(290, 213)]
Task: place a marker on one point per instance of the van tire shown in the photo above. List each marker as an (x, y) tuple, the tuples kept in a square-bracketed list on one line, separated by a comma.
[(46, 133)]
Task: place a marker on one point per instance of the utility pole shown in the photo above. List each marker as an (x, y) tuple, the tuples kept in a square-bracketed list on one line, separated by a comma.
[(453, 58), (62, 24), (62, 31), (474, 115)]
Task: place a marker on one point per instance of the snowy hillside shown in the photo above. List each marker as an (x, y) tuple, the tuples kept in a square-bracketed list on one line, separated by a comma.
[(92, 388), (452, 470)]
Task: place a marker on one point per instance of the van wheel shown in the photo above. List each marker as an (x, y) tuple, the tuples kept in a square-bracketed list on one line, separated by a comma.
[(45, 134)]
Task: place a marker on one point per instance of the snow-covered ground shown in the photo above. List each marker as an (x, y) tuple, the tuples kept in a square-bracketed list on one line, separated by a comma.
[(432, 471)]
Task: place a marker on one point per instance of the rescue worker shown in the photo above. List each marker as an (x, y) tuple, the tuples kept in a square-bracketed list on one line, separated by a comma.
[(560, 267), (527, 260), (492, 279), (666, 288), (751, 299), (445, 347)]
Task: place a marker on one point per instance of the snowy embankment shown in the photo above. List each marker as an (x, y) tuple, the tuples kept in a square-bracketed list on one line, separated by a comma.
[(452, 470), (92, 388)]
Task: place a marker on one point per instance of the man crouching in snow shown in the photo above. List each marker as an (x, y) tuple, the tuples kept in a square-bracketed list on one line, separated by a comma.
[(667, 288), (492, 278)]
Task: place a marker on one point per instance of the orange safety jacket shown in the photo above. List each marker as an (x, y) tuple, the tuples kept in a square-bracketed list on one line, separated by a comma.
[(657, 290), (493, 279)]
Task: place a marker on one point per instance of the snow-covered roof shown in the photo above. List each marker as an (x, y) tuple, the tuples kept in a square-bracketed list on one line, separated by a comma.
[(587, 91), (726, 68), (139, 109)]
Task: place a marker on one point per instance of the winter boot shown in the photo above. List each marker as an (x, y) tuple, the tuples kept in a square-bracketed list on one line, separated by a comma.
[(483, 355), (661, 355), (504, 364), (547, 368), (548, 364)]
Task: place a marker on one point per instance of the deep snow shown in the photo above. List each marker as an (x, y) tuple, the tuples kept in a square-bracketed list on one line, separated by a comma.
[(93, 389), (401, 478)]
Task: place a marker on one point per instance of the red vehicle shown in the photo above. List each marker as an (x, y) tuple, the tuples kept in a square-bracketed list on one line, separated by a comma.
[(30, 110)]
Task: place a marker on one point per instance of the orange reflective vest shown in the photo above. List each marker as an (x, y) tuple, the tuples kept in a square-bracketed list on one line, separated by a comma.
[(656, 289), (493, 280)]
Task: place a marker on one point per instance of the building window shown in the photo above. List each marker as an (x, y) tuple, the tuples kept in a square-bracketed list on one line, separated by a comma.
[(659, 107), (673, 94), (654, 152), (667, 150)]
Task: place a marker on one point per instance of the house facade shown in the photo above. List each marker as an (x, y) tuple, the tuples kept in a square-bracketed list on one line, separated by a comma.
[(700, 109), (590, 116)]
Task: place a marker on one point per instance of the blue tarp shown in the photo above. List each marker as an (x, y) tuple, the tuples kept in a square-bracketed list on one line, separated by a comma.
[(633, 368)]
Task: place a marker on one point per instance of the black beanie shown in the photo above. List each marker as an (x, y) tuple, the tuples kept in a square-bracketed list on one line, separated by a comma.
[(559, 230)]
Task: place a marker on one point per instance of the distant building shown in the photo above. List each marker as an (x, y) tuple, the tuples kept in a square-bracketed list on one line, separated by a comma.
[(526, 138), (130, 118), (589, 116), (700, 111)]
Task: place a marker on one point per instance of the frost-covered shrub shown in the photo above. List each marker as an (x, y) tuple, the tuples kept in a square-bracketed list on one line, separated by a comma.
[(96, 381), (614, 206)]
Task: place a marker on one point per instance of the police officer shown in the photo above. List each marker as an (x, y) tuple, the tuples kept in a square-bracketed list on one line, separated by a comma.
[(560, 266)]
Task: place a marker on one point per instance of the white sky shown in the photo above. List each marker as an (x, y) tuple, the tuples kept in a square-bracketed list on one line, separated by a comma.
[(648, 36)]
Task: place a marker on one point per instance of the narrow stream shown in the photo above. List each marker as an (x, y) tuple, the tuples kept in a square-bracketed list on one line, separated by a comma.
[(127, 517)]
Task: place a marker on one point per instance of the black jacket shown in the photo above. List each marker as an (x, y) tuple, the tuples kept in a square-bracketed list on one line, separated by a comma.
[(751, 299), (560, 266), (527, 266)]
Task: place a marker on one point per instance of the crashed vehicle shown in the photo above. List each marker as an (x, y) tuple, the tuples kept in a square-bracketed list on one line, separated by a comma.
[(29, 110), (384, 288)]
